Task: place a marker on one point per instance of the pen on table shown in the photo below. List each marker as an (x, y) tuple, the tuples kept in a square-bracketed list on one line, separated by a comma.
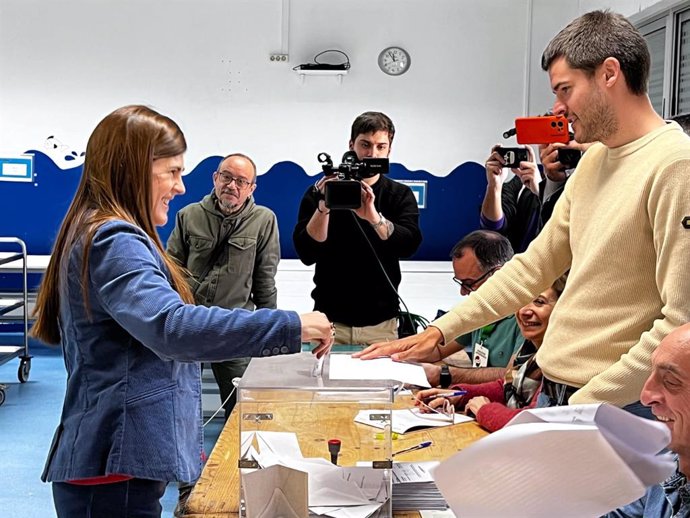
[(447, 394), (419, 446)]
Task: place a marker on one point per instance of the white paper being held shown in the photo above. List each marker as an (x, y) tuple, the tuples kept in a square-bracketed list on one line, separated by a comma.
[(545, 469), (345, 366), (637, 441)]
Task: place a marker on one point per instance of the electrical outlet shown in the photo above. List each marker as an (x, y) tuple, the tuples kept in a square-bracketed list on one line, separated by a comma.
[(279, 58)]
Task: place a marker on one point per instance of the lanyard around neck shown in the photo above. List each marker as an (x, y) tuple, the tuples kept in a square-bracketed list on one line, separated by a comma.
[(485, 332)]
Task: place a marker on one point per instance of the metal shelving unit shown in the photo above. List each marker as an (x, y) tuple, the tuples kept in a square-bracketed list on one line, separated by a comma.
[(8, 352)]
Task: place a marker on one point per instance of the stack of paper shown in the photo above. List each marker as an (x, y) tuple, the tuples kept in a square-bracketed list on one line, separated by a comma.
[(414, 487), (579, 461)]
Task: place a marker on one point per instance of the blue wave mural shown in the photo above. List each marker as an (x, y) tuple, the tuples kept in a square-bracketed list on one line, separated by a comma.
[(34, 211)]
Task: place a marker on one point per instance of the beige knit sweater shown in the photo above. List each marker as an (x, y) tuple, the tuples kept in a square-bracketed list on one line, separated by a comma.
[(619, 229)]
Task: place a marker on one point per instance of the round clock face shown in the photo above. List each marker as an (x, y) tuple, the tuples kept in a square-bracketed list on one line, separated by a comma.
[(394, 61)]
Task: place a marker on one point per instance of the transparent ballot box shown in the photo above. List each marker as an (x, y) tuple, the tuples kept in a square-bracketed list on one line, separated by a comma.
[(301, 453)]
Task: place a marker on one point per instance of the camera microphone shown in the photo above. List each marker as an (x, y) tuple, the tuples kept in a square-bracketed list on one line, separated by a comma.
[(509, 133)]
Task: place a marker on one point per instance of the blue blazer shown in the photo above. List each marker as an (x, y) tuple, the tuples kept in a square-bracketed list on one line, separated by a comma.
[(133, 398)]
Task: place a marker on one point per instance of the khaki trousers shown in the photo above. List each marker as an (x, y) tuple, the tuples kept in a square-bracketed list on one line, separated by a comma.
[(386, 330)]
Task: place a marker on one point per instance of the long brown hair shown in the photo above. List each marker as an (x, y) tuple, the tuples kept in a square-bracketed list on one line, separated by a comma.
[(116, 183)]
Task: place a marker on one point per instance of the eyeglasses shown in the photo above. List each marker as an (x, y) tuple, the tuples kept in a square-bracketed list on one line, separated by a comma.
[(227, 179), (471, 285), (445, 412)]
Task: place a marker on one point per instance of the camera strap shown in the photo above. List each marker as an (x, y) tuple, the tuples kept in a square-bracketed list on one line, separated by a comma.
[(319, 195)]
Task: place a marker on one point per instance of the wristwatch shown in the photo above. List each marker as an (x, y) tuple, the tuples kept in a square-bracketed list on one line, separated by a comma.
[(446, 379), (380, 222)]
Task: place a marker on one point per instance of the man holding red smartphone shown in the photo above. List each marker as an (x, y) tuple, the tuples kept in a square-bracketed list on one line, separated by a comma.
[(622, 228)]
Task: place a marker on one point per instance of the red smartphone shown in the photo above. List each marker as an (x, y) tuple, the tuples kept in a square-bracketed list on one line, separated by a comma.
[(542, 130)]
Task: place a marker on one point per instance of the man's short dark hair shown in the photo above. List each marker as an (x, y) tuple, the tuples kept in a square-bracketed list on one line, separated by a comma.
[(371, 122), (491, 248), (684, 121), (588, 40)]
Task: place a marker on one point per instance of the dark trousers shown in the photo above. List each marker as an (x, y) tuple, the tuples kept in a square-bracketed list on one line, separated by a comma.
[(225, 372), (135, 498)]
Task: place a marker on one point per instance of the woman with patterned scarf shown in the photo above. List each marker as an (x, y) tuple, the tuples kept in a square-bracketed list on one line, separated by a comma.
[(497, 402)]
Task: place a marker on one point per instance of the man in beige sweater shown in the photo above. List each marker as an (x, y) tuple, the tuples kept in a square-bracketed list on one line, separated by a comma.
[(622, 228)]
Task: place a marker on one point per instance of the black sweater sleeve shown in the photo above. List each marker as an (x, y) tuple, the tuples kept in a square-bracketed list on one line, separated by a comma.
[(308, 249), (509, 202), (403, 212)]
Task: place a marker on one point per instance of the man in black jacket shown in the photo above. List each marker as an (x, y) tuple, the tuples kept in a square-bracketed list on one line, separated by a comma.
[(357, 251), (520, 207)]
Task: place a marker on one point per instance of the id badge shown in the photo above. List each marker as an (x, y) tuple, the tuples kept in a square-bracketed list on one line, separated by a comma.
[(480, 358)]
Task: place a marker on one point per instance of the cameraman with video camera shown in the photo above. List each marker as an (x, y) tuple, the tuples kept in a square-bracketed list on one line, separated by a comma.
[(357, 250)]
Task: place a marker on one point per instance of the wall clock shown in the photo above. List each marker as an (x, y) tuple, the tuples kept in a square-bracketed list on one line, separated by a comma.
[(394, 61)]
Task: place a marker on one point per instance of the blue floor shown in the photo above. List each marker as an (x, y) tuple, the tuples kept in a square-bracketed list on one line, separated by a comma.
[(27, 421)]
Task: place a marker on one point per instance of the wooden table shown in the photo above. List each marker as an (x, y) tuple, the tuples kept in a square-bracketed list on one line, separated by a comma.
[(216, 494)]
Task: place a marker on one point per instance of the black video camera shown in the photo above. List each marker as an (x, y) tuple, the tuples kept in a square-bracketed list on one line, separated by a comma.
[(569, 158), (513, 156), (345, 192)]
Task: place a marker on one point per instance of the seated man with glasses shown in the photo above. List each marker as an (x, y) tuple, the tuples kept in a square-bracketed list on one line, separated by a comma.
[(475, 259), (230, 245)]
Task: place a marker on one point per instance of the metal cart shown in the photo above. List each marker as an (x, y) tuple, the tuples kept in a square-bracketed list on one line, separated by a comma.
[(8, 352)]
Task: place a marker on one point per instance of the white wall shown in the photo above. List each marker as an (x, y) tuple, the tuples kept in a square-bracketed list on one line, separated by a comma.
[(547, 19), (475, 66)]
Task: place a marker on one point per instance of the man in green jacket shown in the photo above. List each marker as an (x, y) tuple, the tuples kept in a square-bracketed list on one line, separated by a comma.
[(230, 245), (476, 257)]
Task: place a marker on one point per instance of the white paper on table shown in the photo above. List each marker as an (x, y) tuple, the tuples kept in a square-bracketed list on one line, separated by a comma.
[(329, 486), (566, 468), (345, 367), (437, 514), (246, 446), (407, 419), (413, 472), (280, 444), (276, 491), (370, 481), (272, 447), (361, 511)]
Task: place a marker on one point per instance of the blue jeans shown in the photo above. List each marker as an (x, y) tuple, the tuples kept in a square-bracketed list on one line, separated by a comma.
[(132, 498), (636, 408)]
